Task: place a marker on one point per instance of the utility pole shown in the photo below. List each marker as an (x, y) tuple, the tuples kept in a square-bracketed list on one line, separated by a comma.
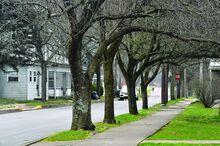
[(185, 83), (201, 76)]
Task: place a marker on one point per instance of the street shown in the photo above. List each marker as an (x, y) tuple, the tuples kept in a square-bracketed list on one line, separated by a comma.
[(19, 128)]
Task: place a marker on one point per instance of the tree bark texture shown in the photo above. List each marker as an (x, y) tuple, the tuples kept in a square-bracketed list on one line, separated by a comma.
[(144, 93), (44, 81), (81, 114), (172, 83), (109, 56), (109, 95), (98, 83), (132, 104), (164, 89)]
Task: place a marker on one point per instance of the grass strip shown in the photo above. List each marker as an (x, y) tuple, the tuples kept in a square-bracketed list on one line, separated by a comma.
[(101, 127), (61, 101), (194, 123)]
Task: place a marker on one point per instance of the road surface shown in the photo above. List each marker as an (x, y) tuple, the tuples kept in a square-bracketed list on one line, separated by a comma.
[(16, 129)]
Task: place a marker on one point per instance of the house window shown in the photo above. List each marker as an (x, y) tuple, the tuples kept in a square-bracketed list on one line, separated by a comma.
[(13, 77), (51, 79), (35, 76), (30, 76)]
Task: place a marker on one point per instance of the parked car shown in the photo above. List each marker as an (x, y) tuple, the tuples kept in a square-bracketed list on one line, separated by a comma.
[(94, 95), (123, 93)]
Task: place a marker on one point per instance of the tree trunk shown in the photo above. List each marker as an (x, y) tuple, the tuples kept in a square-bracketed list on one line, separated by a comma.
[(81, 114), (178, 89), (144, 94), (44, 81), (185, 83), (164, 89), (109, 95), (132, 104), (98, 83), (172, 83)]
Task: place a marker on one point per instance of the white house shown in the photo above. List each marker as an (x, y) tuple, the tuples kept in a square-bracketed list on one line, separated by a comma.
[(26, 83), (214, 69)]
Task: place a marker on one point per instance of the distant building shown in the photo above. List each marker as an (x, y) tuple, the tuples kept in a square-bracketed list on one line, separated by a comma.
[(214, 69), (26, 83), (215, 77)]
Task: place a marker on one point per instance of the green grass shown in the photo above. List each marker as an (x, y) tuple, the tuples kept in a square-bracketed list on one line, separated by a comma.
[(66, 135), (179, 144), (49, 102), (101, 127), (4, 101), (9, 102), (194, 123)]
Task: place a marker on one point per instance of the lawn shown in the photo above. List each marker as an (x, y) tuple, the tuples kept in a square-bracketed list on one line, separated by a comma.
[(194, 123), (61, 101), (179, 144), (4, 101), (101, 127)]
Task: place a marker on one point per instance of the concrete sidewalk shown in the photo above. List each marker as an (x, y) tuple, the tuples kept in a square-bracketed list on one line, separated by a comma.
[(129, 134)]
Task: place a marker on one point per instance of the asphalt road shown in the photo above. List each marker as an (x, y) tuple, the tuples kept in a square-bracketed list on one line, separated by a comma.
[(16, 129)]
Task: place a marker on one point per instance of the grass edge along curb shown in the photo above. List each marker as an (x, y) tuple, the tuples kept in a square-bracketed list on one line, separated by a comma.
[(101, 127)]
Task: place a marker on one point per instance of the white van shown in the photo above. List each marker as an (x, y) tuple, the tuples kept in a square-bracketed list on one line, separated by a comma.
[(123, 93)]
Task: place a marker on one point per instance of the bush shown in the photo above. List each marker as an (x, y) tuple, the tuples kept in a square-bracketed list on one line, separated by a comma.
[(208, 92)]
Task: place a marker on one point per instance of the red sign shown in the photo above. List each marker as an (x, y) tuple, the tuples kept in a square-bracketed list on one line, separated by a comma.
[(177, 76)]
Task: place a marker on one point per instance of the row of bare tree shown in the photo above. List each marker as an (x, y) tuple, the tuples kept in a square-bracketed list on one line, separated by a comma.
[(140, 34)]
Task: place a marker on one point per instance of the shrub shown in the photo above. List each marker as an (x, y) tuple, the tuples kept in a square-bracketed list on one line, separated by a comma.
[(208, 92)]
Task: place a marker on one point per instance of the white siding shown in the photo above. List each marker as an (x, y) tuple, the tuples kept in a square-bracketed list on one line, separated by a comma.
[(14, 90)]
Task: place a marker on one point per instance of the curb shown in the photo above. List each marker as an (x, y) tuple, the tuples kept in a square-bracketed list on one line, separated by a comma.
[(10, 111), (7, 111), (52, 106), (33, 142)]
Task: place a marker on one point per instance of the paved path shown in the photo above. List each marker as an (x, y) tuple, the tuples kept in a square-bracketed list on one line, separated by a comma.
[(184, 141), (130, 134)]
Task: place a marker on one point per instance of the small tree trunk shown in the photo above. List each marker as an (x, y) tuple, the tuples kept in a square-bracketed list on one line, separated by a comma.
[(178, 89), (44, 81), (132, 104), (109, 95), (164, 89), (144, 97), (172, 83), (144, 94)]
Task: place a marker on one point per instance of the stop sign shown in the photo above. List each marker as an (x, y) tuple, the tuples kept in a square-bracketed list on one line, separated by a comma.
[(177, 76)]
